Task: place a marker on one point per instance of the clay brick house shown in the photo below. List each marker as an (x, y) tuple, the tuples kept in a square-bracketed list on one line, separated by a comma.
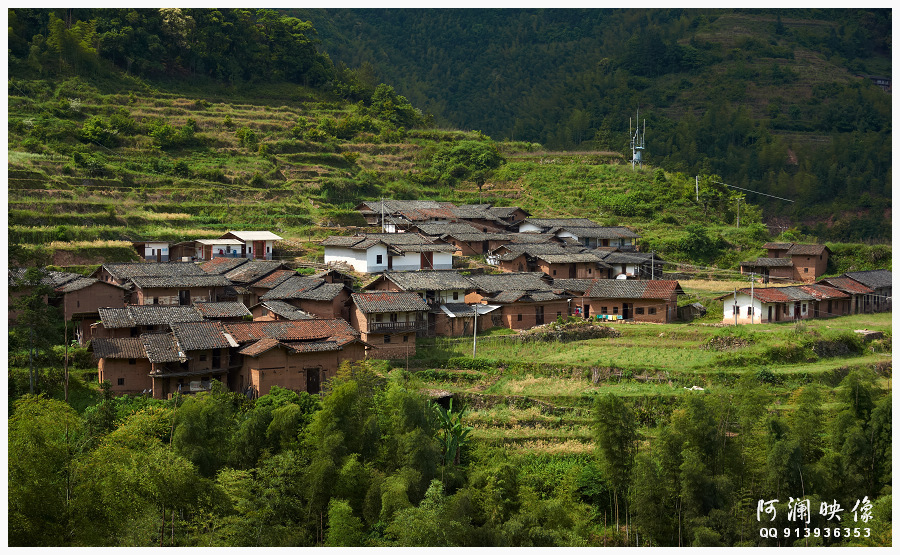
[(880, 283), (439, 289), (525, 299), (829, 302), (576, 288), (389, 321), (572, 265), (312, 295), (807, 262), (860, 296), (177, 290), (509, 214), (81, 298), (251, 280), (638, 300), (248, 357), (124, 364), (122, 273), (400, 215)]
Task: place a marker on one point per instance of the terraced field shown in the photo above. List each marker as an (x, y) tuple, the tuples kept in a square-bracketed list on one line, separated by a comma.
[(539, 397)]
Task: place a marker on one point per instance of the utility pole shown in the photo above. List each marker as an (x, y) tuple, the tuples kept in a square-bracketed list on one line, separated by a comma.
[(752, 308), (739, 213), (697, 187), (474, 330), (735, 309), (652, 267)]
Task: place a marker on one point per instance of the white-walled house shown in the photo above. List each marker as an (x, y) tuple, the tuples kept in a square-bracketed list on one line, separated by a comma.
[(257, 245), (767, 304), (152, 251), (207, 249), (388, 251)]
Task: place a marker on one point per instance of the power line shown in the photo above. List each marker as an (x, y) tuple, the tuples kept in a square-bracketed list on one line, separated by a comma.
[(752, 191)]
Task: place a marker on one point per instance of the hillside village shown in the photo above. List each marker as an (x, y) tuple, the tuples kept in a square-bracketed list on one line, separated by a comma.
[(223, 309)]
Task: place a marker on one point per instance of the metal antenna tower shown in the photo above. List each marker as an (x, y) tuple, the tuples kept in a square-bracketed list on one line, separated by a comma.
[(637, 140)]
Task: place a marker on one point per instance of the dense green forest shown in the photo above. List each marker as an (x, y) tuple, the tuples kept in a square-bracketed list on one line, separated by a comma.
[(777, 101), (374, 463)]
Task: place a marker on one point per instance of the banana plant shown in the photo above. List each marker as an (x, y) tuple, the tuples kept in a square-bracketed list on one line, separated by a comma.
[(454, 434)]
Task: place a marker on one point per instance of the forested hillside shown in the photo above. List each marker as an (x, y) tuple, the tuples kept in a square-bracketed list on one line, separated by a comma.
[(778, 101)]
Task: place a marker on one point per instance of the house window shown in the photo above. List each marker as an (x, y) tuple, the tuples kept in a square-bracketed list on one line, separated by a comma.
[(652, 310), (131, 361), (737, 310), (405, 338), (455, 296), (559, 314), (554, 272), (639, 310), (749, 310), (615, 310), (805, 270), (393, 316), (518, 317), (120, 381), (590, 271), (78, 304), (155, 300), (378, 259), (387, 338), (603, 310), (804, 308), (378, 317), (216, 358), (202, 357)]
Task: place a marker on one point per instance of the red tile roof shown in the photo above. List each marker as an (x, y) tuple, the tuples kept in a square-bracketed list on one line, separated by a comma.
[(848, 285), (294, 330), (820, 291)]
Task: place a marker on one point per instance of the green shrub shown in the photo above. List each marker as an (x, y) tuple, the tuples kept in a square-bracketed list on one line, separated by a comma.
[(468, 363)]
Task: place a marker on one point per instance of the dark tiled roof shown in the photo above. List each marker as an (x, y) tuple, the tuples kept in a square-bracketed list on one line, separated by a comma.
[(504, 211), (389, 301), (526, 281), (253, 270), (200, 336), (51, 278), (162, 347), (127, 270), (82, 283), (123, 347), (274, 279), (291, 287), (820, 291), (222, 264), (298, 330), (442, 229), (531, 237), (875, 279), (778, 246), (570, 258), (806, 250), (633, 289), (264, 345), (477, 236), (324, 292), (769, 263), (436, 280), (147, 315), (848, 285), (342, 241), (286, 310), (622, 258), (260, 347), (602, 232), (561, 222), (778, 294), (222, 309), (164, 282), (573, 285)]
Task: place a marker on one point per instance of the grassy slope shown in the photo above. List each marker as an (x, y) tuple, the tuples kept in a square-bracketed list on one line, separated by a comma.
[(540, 399)]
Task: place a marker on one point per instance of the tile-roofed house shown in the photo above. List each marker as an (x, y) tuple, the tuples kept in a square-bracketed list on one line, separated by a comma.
[(162, 348), (804, 262), (767, 304), (436, 230), (575, 286), (132, 320), (524, 281), (258, 245), (123, 363), (543, 225), (378, 252), (178, 290), (226, 310), (401, 214), (861, 297), (389, 320), (829, 302), (121, 273), (509, 214), (880, 283), (278, 310), (638, 300), (312, 295)]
